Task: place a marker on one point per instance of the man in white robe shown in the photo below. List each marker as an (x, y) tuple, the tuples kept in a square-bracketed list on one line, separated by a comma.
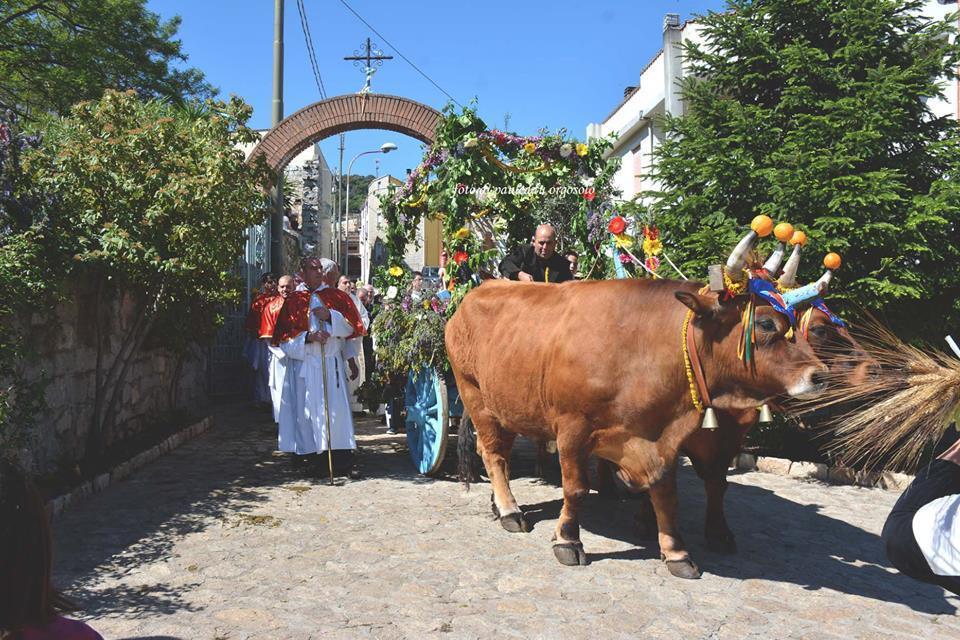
[(324, 372)]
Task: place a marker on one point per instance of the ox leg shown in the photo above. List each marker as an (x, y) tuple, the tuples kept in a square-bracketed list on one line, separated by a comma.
[(718, 535), (672, 551), (646, 517), (576, 484), (494, 444)]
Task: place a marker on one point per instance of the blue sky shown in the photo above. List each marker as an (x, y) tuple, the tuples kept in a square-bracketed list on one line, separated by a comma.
[(559, 64)]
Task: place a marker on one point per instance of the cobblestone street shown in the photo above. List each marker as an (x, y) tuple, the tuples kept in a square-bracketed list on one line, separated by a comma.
[(224, 538)]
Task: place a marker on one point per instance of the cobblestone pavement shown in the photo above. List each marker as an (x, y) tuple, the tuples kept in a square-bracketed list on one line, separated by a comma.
[(224, 538)]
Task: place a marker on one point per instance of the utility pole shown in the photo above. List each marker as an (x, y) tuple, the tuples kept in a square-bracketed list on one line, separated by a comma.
[(336, 219), (276, 219)]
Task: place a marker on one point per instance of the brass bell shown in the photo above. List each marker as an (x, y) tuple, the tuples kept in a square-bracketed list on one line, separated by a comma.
[(765, 414), (709, 419)]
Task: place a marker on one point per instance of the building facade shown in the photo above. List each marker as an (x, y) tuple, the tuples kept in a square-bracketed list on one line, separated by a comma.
[(423, 252)]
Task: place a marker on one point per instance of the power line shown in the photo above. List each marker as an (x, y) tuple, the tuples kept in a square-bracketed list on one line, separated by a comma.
[(311, 53), (398, 52)]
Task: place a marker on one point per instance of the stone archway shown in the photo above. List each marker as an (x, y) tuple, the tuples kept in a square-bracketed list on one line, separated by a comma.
[(345, 113)]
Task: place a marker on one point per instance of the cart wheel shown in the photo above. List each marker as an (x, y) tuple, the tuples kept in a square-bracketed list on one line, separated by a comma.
[(427, 422)]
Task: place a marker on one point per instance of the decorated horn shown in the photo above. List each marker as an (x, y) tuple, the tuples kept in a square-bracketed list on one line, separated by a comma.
[(783, 232), (789, 276), (760, 227), (815, 289)]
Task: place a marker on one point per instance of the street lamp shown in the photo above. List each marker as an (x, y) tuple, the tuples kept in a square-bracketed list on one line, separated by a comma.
[(386, 147)]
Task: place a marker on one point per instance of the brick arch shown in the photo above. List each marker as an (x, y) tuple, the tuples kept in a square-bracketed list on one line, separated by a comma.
[(345, 113)]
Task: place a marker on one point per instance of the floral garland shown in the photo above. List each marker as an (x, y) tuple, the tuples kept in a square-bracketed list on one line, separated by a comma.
[(623, 241)]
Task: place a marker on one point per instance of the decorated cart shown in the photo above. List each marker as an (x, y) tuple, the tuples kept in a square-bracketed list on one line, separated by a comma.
[(489, 189)]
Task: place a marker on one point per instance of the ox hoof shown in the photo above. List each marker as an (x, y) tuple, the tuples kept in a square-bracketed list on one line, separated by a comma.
[(514, 523), (683, 568), (570, 554), (722, 544)]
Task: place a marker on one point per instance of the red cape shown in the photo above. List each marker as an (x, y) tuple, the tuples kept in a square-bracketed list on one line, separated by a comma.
[(342, 302), (254, 320), (293, 317)]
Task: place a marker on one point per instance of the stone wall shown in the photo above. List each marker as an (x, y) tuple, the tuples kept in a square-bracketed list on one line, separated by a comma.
[(64, 344), (291, 252)]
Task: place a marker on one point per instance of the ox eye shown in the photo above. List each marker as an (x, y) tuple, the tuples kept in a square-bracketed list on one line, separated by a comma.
[(767, 324), (818, 331)]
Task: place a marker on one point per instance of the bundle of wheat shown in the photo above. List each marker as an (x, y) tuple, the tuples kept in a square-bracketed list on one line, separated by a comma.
[(897, 413)]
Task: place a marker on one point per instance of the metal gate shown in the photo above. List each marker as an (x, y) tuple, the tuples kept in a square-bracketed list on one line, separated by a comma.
[(229, 374)]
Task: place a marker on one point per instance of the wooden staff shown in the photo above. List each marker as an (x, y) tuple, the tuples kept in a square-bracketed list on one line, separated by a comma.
[(326, 409)]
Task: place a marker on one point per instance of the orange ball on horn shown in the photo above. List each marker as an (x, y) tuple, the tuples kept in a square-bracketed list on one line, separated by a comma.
[(832, 261), (762, 225), (783, 231), (798, 237)]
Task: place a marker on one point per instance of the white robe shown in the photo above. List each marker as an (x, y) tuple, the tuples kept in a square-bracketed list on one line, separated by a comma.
[(355, 349), (288, 388), (335, 351)]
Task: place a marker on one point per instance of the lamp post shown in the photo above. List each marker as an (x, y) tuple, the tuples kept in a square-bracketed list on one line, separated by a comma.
[(386, 147)]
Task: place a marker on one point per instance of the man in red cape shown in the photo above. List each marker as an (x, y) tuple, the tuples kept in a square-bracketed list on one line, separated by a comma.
[(255, 349)]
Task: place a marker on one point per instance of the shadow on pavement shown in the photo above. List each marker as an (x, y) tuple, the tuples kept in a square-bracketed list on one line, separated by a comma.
[(778, 539)]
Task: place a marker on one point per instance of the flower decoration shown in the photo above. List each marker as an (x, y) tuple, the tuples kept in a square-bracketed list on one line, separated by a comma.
[(529, 147), (566, 149), (625, 258), (652, 263), (395, 271), (470, 142), (462, 233), (623, 241), (589, 194), (459, 257), (617, 225), (582, 149), (426, 304)]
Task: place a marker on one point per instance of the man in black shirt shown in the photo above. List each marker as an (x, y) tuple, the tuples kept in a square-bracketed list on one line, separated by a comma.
[(538, 261), (921, 533)]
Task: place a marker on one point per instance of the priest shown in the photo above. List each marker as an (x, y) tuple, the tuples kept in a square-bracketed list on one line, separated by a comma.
[(327, 400)]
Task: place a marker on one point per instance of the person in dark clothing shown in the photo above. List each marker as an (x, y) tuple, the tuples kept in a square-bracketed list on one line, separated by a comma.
[(538, 261), (922, 533)]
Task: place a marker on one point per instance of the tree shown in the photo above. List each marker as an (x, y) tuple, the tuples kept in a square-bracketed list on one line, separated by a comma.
[(54, 53), (817, 112), (153, 200)]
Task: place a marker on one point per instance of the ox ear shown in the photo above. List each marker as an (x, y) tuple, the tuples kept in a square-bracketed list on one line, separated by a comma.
[(701, 305)]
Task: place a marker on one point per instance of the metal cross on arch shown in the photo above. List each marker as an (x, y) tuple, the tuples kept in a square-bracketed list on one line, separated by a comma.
[(373, 58)]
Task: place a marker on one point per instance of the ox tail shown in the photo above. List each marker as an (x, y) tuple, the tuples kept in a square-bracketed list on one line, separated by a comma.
[(468, 462)]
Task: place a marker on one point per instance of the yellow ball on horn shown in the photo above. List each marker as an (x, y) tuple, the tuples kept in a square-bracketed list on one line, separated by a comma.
[(798, 237), (762, 225), (783, 231), (832, 261)]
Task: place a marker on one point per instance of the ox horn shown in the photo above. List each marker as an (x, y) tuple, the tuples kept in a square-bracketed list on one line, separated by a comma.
[(807, 292), (783, 232), (760, 227), (789, 276)]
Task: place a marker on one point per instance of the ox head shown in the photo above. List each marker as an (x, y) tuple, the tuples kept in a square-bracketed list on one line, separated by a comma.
[(780, 363), (831, 340)]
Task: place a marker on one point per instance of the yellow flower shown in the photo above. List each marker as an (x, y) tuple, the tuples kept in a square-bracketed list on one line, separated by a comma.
[(395, 271), (652, 247), (623, 241), (582, 149), (529, 147), (470, 142), (462, 233), (426, 304)]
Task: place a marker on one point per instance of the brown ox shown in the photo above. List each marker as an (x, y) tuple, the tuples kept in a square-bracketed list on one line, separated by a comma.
[(598, 367), (710, 451)]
